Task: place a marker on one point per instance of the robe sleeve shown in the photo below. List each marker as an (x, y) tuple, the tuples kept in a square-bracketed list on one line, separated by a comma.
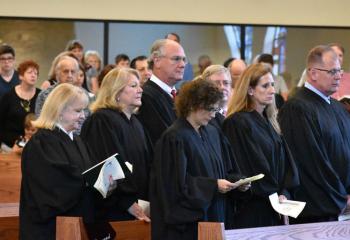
[(251, 158), (56, 184), (183, 197), (102, 141)]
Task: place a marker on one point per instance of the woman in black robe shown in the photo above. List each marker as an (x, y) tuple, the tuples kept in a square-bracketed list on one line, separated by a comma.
[(254, 133), (113, 128), (190, 166), (52, 163)]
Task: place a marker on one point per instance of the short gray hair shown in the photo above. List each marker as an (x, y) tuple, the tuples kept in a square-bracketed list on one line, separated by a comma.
[(157, 50)]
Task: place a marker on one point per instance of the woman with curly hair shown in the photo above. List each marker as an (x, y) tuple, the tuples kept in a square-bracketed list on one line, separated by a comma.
[(190, 167)]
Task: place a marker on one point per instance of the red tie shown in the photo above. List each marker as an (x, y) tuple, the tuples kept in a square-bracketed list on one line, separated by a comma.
[(173, 93)]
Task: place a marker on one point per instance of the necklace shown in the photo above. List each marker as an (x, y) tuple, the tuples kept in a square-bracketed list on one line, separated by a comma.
[(25, 104)]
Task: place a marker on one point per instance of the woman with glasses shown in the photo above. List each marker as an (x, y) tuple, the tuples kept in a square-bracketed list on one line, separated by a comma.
[(190, 167), (17, 103), (252, 128)]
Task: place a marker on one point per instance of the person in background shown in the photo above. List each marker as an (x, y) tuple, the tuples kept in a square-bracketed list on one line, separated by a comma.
[(106, 69), (204, 61), (113, 128), (236, 68), (190, 167), (140, 63), (29, 131), (17, 103), (254, 133), (8, 75), (52, 80), (122, 60), (93, 65), (76, 48), (317, 129), (52, 164)]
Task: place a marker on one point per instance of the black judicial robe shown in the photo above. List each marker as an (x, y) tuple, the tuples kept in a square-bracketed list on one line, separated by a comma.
[(260, 149), (52, 184), (184, 177), (109, 131), (318, 134), (157, 112), (217, 121)]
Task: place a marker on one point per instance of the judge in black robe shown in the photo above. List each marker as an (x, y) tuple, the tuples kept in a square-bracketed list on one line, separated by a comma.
[(113, 128), (318, 134), (259, 148), (189, 168), (52, 163), (157, 112)]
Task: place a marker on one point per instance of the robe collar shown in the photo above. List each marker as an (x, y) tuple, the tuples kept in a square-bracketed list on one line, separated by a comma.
[(315, 90), (70, 134), (162, 85)]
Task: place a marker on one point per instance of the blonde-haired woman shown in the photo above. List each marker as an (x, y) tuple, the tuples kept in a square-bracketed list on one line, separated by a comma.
[(52, 163), (254, 133), (113, 128)]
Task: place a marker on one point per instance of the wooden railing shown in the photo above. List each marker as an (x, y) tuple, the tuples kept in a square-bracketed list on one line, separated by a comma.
[(311, 231)]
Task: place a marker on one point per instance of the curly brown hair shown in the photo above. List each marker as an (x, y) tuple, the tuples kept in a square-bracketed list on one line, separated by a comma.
[(195, 95), (23, 66)]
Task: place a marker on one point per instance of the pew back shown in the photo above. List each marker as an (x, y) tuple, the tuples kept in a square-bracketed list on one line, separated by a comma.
[(10, 177), (73, 228)]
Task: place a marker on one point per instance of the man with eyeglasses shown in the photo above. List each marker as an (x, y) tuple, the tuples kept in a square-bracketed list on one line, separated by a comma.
[(317, 130), (167, 61), (8, 76)]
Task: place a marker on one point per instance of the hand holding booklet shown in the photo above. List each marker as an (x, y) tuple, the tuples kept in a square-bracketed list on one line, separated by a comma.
[(286, 207), (249, 179), (103, 175)]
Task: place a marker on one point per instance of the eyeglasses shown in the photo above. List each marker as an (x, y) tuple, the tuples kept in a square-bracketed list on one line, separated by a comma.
[(176, 59), (3, 59), (331, 72), (212, 109)]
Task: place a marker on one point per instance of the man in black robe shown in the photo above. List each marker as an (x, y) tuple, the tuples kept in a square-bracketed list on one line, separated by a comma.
[(157, 111), (317, 129)]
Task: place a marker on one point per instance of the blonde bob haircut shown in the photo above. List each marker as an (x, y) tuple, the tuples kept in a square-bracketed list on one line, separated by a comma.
[(112, 85), (242, 101), (62, 96)]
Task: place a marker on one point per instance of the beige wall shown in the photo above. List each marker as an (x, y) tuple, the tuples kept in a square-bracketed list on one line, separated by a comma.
[(40, 41), (292, 12)]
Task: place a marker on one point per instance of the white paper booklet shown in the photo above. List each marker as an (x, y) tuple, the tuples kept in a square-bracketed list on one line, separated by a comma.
[(345, 215), (109, 173), (287, 207)]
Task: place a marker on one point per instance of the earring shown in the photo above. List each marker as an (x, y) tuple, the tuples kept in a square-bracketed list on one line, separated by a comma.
[(118, 99)]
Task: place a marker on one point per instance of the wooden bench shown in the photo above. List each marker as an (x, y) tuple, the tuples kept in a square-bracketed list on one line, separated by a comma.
[(10, 177), (10, 184), (73, 228), (9, 221), (311, 231)]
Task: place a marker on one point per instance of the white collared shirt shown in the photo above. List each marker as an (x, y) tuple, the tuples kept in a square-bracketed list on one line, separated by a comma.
[(315, 90), (162, 85), (70, 134)]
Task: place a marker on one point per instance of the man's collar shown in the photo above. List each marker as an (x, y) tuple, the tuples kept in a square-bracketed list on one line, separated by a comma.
[(315, 90), (161, 84)]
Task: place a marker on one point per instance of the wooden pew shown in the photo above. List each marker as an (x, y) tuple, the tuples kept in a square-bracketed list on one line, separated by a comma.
[(10, 184), (311, 231), (73, 228), (9, 221), (10, 177)]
